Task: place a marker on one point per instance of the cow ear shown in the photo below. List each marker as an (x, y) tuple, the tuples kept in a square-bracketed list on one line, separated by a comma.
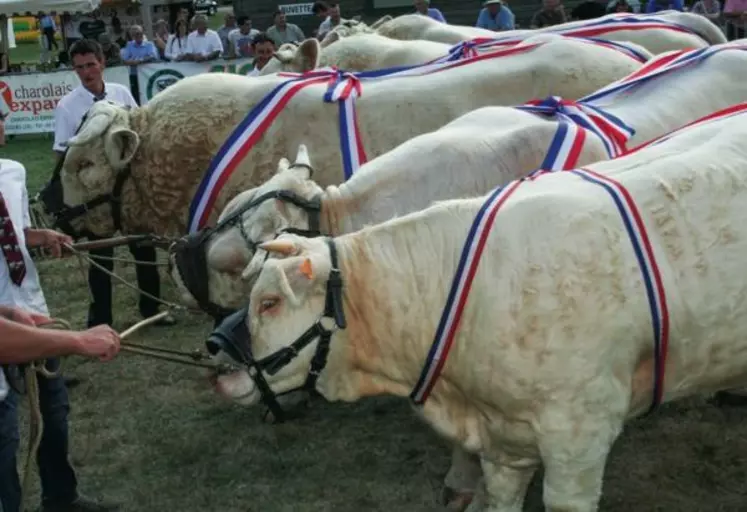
[(331, 37), (307, 56), (120, 146)]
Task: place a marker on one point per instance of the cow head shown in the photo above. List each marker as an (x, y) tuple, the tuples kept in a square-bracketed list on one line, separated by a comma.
[(292, 58), (209, 268), (83, 194), (282, 337)]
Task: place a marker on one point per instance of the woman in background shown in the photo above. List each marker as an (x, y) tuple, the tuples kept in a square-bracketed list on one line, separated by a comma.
[(176, 44)]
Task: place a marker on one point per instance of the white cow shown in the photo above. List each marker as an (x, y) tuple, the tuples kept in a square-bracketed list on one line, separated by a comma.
[(360, 53), (554, 351), (467, 157), (388, 112), (655, 40)]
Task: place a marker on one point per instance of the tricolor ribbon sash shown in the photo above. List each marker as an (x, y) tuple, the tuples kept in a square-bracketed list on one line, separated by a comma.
[(660, 65), (343, 87), (611, 130), (593, 31), (475, 47), (469, 261)]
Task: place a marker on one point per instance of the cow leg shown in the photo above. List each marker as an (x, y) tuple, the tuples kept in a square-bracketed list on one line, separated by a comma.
[(574, 451), (505, 484), (461, 480)]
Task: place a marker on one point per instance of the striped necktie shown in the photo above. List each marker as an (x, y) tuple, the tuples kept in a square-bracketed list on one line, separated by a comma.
[(10, 247)]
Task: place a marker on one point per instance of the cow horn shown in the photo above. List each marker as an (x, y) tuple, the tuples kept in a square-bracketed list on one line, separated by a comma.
[(93, 127), (284, 247), (302, 160)]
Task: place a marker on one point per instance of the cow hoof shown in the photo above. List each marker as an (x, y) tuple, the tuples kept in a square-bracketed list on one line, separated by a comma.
[(726, 399), (456, 501)]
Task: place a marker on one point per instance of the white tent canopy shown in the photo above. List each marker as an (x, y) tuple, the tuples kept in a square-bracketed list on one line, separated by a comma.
[(21, 7)]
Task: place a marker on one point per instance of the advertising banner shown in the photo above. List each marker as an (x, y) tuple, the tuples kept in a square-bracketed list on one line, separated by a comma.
[(29, 99), (154, 78), (297, 9)]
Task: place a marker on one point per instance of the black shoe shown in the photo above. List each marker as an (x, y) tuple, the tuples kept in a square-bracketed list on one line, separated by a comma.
[(82, 504)]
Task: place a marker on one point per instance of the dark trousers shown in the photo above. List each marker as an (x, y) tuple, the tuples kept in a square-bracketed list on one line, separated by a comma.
[(49, 35), (100, 283), (58, 481)]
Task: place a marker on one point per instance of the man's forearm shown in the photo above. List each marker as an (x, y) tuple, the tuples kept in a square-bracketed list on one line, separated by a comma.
[(22, 343)]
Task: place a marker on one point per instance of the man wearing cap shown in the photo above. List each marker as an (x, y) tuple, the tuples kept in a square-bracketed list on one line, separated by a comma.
[(495, 16)]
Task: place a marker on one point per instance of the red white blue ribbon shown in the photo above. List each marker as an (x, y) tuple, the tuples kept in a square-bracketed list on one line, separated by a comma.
[(342, 87), (593, 30), (660, 65), (650, 272), (459, 292), (479, 45), (470, 259), (611, 130)]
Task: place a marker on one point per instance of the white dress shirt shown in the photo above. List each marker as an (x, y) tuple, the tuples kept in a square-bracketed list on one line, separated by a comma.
[(74, 105), (29, 296), (204, 44)]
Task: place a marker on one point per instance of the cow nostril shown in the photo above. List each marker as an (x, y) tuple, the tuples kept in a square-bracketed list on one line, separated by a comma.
[(213, 346)]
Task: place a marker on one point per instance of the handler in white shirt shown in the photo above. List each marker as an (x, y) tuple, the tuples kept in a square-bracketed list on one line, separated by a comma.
[(203, 43), (20, 290), (87, 59)]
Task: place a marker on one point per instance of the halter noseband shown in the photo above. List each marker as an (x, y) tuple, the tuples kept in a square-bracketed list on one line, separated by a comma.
[(233, 337)]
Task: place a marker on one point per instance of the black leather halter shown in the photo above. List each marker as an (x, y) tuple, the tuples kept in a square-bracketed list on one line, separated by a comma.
[(190, 252), (233, 337)]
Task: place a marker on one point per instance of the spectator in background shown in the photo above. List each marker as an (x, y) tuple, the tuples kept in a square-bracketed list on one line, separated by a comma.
[(331, 14), (71, 25), (229, 25), (203, 43), (735, 15), (663, 5), (48, 29), (112, 54), (2, 129), (282, 32), (619, 6), (263, 48), (176, 45), (552, 13), (160, 37), (3, 63), (137, 51), (627, 6), (424, 7), (710, 9), (91, 26), (240, 39), (118, 35), (495, 16)]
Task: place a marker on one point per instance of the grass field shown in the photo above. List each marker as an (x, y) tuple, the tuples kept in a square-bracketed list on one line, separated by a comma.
[(154, 435)]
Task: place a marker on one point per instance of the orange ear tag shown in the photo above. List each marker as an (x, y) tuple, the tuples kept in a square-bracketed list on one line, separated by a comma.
[(305, 268)]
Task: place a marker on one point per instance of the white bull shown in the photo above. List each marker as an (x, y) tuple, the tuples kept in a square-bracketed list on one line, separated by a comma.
[(360, 53), (467, 157), (167, 147), (554, 351), (666, 36)]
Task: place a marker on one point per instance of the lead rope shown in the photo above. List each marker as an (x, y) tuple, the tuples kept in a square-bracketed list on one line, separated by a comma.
[(36, 422)]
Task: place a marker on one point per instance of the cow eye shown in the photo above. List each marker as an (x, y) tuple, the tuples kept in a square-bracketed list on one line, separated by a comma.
[(268, 304)]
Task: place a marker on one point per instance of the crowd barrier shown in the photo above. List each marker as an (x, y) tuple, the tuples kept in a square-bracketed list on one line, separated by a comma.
[(29, 99)]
